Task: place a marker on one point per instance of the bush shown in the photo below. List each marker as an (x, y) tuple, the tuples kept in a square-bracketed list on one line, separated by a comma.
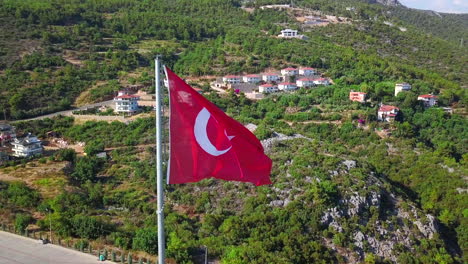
[(22, 221)]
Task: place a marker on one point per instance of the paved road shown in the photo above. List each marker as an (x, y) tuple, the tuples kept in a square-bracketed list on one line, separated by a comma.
[(15, 249), (69, 112)]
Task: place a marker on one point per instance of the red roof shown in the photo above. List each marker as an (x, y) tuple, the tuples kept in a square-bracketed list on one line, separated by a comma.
[(388, 108), (231, 77), (428, 96), (127, 96), (197, 89), (355, 93), (287, 83), (266, 85), (306, 79), (307, 68), (270, 74), (289, 69), (392, 115), (252, 75)]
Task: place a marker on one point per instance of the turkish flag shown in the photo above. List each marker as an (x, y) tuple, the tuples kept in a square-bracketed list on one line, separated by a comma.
[(205, 142)]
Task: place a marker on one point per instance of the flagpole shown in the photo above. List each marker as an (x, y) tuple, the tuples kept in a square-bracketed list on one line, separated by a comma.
[(159, 176)]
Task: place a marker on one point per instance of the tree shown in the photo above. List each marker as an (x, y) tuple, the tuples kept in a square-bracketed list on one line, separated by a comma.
[(146, 239)]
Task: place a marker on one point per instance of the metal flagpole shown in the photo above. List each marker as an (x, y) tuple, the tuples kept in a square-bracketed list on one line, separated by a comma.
[(159, 176)]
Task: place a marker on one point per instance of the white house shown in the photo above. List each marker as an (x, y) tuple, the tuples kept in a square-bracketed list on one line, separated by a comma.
[(270, 77), (126, 103), (252, 78), (307, 71), (402, 87), (288, 33), (321, 81), (387, 113), (287, 86), (289, 71), (231, 79), (27, 147), (305, 82), (267, 88), (357, 96), (428, 99)]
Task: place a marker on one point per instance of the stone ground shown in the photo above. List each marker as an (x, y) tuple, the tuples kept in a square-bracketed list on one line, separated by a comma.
[(15, 249)]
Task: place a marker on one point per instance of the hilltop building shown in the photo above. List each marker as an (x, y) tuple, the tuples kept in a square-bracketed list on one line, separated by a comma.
[(252, 78), (126, 103), (270, 77), (357, 96), (428, 99), (387, 113), (399, 87), (289, 71), (307, 71), (267, 88), (322, 81), (287, 86), (231, 79), (27, 146), (7, 133), (291, 33), (305, 82)]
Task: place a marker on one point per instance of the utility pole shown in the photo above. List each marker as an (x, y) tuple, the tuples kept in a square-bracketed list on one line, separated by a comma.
[(206, 254)]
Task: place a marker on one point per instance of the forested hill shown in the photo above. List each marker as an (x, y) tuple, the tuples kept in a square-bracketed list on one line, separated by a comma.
[(347, 188)]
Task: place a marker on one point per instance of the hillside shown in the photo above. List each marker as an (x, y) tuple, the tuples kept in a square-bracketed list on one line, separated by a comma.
[(346, 188)]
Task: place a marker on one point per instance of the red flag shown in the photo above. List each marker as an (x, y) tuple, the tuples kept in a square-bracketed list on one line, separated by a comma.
[(205, 142)]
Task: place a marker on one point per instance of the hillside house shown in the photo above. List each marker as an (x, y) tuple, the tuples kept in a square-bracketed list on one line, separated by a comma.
[(126, 103), (291, 33), (428, 99), (289, 71), (231, 79), (27, 147), (387, 113), (7, 133), (357, 96), (305, 82), (287, 86), (307, 71), (322, 81), (267, 88), (270, 77), (399, 87), (252, 78)]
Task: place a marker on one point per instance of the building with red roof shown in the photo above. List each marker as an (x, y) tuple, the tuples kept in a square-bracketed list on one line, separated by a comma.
[(357, 96), (287, 86), (251, 78), (126, 103), (270, 77), (428, 99), (267, 88), (230, 79), (289, 71), (387, 113), (305, 82), (307, 71)]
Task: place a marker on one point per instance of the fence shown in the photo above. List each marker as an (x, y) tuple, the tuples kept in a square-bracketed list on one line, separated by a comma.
[(116, 256)]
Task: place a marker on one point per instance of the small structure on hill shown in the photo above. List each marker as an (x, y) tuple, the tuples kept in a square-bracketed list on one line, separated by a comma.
[(322, 81), (252, 78), (126, 103), (387, 113), (230, 79), (357, 96), (270, 77), (307, 71), (428, 99), (289, 71), (291, 33), (287, 86), (267, 88), (305, 82), (27, 146), (7, 133), (399, 87)]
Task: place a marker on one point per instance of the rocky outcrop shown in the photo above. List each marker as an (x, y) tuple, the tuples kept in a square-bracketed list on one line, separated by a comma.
[(386, 2)]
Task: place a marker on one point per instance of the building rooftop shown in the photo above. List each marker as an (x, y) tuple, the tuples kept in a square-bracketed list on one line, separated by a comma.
[(428, 96), (388, 108), (289, 69), (287, 83), (267, 85), (127, 96)]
